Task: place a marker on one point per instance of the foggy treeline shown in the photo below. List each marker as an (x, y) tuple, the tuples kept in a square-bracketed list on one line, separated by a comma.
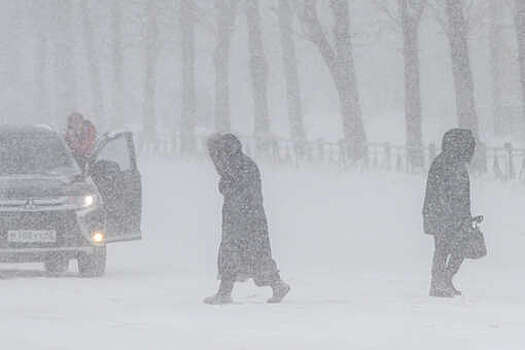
[(352, 70)]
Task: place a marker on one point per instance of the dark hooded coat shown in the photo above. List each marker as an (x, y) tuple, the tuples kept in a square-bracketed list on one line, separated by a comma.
[(447, 197), (245, 245)]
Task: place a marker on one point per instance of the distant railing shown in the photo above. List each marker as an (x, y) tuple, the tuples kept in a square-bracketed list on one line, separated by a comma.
[(503, 163)]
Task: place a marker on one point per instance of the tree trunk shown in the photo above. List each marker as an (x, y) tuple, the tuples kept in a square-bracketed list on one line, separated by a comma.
[(41, 82), (117, 121), (353, 129), (293, 92), (94, 69), (341, 66), (414, 132), (226, 13), (149, 119), (258, 69), (66, 84), (187, 22), (463, 81), (520, 36), (495, 41)]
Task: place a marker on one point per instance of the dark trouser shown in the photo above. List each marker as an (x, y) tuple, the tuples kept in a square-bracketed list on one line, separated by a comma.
[(227, 282), (445, 264)]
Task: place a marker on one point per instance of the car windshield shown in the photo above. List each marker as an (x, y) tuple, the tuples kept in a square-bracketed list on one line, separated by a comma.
[(35, 154)]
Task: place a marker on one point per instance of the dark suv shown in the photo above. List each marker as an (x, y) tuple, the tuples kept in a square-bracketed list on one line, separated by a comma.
[(52, 211)]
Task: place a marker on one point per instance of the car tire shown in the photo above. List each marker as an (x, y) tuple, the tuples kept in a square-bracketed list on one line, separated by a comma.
[(92, 264), (56, 265)]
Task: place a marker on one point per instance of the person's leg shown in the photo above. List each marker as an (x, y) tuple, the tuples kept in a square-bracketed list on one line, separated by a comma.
[(279, 287), (224, 294), (453, 265), (438, 285), (280, 290)]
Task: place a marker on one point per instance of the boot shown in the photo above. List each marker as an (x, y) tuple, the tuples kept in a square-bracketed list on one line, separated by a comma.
[(223, 295), (441, 289), (451, 286), (280, 290), (218, 299), (453, 265)]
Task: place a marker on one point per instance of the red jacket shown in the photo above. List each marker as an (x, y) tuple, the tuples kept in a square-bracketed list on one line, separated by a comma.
[(82, 142)]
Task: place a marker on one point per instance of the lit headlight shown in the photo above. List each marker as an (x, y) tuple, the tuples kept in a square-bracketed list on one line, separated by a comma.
[(88, 201), (98, 237)]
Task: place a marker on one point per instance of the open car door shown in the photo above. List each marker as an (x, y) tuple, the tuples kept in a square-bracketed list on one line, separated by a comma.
[(114, 170)]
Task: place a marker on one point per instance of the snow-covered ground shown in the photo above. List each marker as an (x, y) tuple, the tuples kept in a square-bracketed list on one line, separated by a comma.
[(351, 247)]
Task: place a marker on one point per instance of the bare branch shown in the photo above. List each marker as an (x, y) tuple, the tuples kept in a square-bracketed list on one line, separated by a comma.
[(382, 5)]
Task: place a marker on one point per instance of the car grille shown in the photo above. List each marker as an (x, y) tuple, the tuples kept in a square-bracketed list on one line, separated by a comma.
[(63, 222)]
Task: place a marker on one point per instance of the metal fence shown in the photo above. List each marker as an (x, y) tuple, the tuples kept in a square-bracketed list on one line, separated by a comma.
[(505, 163)]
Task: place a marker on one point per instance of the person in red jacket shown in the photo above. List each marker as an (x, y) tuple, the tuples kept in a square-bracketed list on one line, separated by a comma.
[(89, 138), (81, 137), (73, 135)]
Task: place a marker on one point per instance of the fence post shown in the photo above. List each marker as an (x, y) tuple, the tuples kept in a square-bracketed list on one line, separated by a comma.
[(399, 163), (510, 161), (522, 171), (388, 156), (482, 158), (496, 168), (320, 150)]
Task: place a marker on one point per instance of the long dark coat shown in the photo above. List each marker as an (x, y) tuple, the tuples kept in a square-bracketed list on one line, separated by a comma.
[(245, 250), (447, 196)]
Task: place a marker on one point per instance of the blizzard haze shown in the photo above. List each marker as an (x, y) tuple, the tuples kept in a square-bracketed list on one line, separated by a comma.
[(341, 104)]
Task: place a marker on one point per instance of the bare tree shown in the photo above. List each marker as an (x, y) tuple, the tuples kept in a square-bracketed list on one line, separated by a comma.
[(259, 70), (520, 37), (151, 51), (41, 20), (41, 63), (496, 52), (187, 24), (408, 18), (293, 90), (226, 13), (93, 63), (463, 81), (66, 87), (117, 119), (340, 62), (410, 12)]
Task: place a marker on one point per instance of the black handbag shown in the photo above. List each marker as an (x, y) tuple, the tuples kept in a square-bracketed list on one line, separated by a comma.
[(470, 242)]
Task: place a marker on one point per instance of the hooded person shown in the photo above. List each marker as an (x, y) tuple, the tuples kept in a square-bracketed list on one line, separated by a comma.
[(245, 250), (447, 207)]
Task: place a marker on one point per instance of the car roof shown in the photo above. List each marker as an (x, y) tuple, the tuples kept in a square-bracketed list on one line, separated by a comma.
[(42, 130)]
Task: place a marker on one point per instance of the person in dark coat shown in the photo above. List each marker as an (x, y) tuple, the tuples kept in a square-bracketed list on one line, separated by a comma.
[(447, 207), (245, 250)]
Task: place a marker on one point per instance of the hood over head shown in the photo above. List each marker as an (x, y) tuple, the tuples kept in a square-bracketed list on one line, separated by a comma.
[(223, 148), (459, 144), (228, 144)]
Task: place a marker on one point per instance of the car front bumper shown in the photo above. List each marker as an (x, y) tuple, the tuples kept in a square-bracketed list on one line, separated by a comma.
[(74, 231)]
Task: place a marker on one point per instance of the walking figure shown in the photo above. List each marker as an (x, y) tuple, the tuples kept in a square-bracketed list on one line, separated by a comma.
[(245, 250), (447, 212)]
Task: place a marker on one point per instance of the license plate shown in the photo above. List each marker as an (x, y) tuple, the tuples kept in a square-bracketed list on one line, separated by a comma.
[(32, 236)]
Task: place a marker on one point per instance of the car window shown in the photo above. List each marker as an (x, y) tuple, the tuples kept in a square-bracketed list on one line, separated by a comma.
[(116, 151), (32, 154)]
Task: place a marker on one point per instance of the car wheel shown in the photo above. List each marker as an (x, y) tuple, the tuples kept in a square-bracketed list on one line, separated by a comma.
[(92, 264), (56, 265)]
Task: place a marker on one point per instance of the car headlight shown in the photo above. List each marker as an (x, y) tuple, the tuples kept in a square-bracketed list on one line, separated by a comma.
[(98, 237), (86, 201)]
